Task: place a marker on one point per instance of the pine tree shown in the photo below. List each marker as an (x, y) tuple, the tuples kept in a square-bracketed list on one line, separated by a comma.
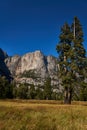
[(79, 55), (71, 57), (64, 50), (77, 44)]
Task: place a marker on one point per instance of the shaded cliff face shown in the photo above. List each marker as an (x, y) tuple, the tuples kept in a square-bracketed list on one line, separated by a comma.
[(13, 64), (3, 55), (33, 68), (4, 71)]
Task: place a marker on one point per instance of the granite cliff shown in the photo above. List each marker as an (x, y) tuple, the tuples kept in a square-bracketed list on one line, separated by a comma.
[(33, 68)]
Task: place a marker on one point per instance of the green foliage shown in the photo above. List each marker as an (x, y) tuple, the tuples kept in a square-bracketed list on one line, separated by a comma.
[(83, 92), (47, 88), (6, 88), (71, 57), (57, 96), (22, 91), (27, 91), (30, 74), (32, 92), (39, 93)]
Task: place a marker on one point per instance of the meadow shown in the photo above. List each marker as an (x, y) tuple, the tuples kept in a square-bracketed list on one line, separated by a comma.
[(42, 115)]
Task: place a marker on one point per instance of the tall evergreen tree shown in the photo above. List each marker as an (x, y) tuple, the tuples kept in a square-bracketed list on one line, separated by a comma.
[(71, 57), (79, 55), (64, 50), (77, 45)]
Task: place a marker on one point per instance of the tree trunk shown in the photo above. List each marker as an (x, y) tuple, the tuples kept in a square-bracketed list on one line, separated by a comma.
[(67, 96), (70, 96)]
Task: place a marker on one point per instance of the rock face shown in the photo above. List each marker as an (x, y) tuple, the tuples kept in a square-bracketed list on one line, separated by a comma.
[(33, 68), (34, 61), (4, 71), (13, 64), (3, 55)]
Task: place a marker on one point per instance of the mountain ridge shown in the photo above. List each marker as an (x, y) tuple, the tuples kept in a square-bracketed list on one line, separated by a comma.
[(31, 68)]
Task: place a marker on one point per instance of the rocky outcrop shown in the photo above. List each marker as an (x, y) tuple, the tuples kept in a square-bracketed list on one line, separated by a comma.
[(13, 64), (31, 68), (32, 61), (40, 65)]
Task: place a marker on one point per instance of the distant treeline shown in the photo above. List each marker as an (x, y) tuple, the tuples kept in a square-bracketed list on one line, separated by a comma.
[(29, 91)]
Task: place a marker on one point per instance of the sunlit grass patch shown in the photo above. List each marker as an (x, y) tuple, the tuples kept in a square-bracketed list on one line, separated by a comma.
[(40, 115)]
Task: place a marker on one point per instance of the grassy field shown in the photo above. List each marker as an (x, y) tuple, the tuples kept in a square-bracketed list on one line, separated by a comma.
[(42, 115)]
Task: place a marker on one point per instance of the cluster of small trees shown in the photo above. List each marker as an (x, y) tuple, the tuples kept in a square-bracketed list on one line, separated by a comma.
[(28, 91), (6, 88), (29, 74)]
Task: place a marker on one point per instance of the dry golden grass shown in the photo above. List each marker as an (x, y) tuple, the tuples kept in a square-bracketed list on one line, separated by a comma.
[(42, 115)]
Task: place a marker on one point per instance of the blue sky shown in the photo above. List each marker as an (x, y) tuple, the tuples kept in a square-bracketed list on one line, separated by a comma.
[(29, 25)]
